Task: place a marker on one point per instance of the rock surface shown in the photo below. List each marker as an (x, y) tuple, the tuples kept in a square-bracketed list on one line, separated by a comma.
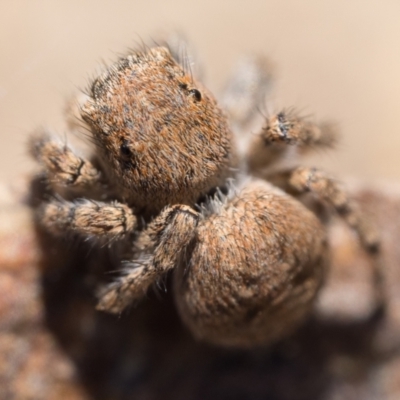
[(54, 345)]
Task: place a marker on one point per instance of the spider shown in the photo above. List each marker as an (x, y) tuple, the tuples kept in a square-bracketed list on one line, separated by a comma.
[(166, 176)]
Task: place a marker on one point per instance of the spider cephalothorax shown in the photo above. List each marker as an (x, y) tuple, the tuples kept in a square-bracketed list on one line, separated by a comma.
[(160, 132), (247, 263)]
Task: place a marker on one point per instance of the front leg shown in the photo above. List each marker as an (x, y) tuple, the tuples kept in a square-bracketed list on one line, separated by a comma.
[(283, 131), (247, 91), (292, 129), (166, 239), (61, 164), (88, 218)]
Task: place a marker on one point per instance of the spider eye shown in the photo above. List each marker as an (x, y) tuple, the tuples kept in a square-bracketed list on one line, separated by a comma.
[(125, 150), (196, 94)]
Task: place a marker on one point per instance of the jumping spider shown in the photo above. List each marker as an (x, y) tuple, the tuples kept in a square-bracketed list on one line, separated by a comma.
[(248, 254)]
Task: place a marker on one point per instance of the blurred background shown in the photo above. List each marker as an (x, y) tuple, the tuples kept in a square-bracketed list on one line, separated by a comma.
[(335, 59)]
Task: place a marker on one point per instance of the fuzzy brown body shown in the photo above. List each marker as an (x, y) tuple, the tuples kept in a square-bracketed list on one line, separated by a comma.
[(247, 267), (280, 254)]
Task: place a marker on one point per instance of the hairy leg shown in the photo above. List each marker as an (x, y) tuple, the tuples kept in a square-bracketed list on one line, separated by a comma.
[(246, 91), (88, 218), (290, 128), (61, 164), (287, 129), (164, 242), (305, 179)]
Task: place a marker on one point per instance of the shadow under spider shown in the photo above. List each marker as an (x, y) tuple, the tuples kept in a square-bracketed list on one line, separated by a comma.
[(147, 354)]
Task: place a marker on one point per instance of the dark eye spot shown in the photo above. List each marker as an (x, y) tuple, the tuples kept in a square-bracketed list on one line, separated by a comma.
[(128, 159), (196, 94), (125, 150)]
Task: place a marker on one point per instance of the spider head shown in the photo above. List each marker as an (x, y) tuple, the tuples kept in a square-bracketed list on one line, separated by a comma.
[(160, 133)]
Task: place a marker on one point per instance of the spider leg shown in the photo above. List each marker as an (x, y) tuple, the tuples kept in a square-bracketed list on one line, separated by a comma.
[(88, 218), (246, 90), (287, 129), (306, 179), (61, 164), (167, 236)]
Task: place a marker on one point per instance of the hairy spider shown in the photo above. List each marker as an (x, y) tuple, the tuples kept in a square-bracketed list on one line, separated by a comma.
[(248, 251)]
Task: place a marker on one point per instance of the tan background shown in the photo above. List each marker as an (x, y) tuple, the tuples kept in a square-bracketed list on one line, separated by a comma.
[(337, 59)]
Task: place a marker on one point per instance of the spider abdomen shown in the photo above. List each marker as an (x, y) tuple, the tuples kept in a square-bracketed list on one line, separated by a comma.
[(254, 269)]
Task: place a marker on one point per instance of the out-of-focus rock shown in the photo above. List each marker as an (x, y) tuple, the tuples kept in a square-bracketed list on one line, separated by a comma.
[(32, 364), (54, 345)]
